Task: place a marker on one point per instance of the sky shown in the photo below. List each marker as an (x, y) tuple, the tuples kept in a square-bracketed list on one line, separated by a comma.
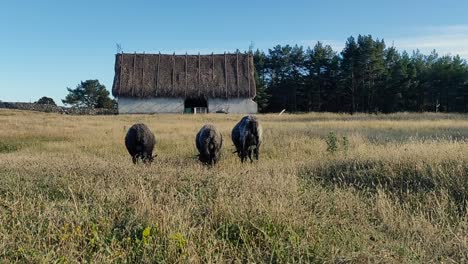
[(47, 46)]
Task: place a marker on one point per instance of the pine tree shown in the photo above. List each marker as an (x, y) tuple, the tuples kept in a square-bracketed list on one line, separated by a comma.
[(89, 93), (322, 66), (349, 75), (263, 96)]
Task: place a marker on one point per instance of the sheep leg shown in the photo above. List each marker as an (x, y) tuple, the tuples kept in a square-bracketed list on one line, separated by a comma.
[(257, 152), (250, 155), (145, 157), (242, 156)]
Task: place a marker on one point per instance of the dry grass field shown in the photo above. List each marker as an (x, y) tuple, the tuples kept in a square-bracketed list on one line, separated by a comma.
[(381, 189)]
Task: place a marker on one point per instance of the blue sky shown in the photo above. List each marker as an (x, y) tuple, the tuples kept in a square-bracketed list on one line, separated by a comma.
[(46, 46)]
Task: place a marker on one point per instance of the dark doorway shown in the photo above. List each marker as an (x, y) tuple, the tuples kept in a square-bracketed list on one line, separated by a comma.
[(196, 105)]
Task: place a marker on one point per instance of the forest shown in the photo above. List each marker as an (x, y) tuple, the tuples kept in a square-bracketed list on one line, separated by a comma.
[(366, 76)]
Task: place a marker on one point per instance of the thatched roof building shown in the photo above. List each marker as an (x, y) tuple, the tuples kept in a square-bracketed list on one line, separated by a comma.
[(225, 77)]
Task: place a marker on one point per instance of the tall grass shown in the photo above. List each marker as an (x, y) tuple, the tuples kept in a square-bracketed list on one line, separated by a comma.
[(395, 192)]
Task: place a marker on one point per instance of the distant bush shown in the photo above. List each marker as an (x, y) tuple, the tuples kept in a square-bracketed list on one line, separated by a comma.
[(46, 101)]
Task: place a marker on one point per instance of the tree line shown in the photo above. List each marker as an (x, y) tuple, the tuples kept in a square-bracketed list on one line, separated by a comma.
[(366, 76)]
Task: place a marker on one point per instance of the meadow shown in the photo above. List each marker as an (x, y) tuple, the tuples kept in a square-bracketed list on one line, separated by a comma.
[(328, 188)]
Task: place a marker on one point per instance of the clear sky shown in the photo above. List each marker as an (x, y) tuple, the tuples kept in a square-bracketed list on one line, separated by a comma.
[(47, 46)]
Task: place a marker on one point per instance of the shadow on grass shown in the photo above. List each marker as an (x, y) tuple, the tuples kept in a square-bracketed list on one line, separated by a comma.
[(402, 179)]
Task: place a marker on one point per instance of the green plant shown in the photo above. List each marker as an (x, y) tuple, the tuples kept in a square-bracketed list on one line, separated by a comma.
[(332, 142), (345, 142), (179, 240)]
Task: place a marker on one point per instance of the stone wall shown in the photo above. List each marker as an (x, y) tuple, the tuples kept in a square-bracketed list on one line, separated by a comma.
[(58, 109)]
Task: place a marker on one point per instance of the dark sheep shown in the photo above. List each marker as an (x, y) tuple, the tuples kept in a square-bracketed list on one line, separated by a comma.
[(140, 143), (247, 138), (209, 142)]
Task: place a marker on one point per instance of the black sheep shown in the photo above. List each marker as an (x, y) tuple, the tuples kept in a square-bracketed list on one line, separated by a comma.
[(209, 142), (247, 137), (140, 143)]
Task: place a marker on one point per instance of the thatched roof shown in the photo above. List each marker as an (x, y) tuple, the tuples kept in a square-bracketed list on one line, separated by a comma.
[(161, 75)]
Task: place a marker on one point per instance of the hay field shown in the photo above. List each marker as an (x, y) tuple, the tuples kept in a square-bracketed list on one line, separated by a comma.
[(389, 189)]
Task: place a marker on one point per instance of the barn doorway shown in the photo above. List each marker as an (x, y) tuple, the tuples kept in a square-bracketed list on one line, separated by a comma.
[(197, 105)]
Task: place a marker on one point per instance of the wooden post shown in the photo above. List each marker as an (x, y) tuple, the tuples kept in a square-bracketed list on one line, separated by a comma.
[(225, 75), (248, 71), (120, 73), (212, 66), (199, 69), (173, 73), (157, 74), (133, 75), (143, 75), (212, 74), (237, 73)]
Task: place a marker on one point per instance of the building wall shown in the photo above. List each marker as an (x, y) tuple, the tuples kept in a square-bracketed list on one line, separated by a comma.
[(150, 105), (176, 105), (234, 106)]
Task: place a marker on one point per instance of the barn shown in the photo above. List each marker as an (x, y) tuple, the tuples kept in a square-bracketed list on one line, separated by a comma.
[(169, 83)]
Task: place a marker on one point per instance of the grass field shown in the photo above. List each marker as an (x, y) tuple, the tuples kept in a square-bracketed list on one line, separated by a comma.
[(381, 188)]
